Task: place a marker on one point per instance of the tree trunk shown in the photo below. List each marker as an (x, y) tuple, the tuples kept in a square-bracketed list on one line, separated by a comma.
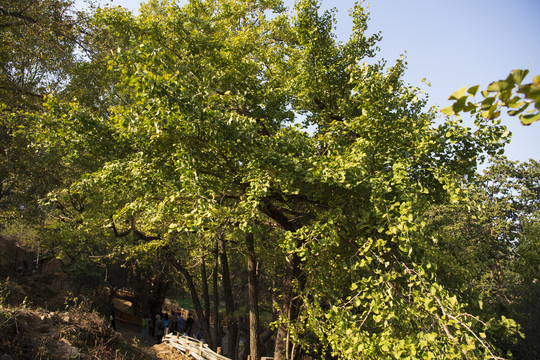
[(157, 296), (206, 295), (290, 307), (196, 304), (253, 299), (215, 291), (232, 325)]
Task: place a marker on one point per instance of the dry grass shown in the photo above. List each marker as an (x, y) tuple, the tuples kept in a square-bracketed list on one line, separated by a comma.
[(40, 334)]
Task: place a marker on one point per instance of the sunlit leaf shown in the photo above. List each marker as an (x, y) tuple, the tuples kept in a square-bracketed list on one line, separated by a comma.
[(529, 118), (473, 90), (448, 111), (458, 94), (500, 85), (519, 111), (487, 103), (518, 75)]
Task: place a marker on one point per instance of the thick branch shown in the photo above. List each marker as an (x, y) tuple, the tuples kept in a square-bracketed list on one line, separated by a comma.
[(21, 91), (17, 15), (278, 216), (116, 233)]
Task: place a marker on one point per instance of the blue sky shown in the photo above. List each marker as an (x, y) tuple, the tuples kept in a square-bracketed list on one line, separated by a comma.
[(452, 44)]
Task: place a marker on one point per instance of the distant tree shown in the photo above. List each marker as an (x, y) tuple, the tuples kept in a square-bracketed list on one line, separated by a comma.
[(37, 49), (486, 246), (39, 43)]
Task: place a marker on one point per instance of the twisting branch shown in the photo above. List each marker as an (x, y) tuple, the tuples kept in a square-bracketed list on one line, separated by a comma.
[(17, 15), (132, 228), (118, 234), (145, 237)]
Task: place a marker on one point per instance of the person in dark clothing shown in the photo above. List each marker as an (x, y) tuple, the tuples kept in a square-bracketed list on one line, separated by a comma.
[(180, 324), (173, 323), (189, 324), (160, 329)]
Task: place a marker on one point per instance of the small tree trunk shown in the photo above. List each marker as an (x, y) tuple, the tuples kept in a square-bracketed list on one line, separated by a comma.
[(232, 326), (196, 304), (253, 299), (290, 307), (206, 295), (157, 296), (282, 347), (215, 291)]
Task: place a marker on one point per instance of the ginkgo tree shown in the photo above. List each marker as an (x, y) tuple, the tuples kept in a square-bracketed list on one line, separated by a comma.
[(206, 142)]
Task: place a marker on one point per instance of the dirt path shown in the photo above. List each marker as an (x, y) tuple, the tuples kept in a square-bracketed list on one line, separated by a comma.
[(149, 346)]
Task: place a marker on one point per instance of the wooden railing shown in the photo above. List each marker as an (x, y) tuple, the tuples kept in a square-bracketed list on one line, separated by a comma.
[(195, 348)]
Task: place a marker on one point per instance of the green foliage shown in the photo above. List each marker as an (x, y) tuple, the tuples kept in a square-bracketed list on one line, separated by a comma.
[(509, 93), (40, 43), (482, 244), (202, 140), (38, 40)]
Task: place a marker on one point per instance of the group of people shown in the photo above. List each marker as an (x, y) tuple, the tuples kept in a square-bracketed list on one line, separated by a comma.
[(159, 325)]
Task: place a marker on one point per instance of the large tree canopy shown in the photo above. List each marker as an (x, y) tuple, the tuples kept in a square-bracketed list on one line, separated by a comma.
[(237, 117)]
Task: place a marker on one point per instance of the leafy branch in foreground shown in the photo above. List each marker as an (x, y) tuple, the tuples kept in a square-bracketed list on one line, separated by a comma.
[(509, 93)]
